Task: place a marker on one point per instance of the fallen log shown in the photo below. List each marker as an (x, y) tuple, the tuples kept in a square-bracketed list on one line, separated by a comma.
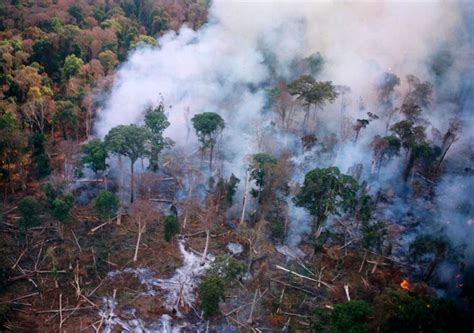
[(305, 277), (161, 200)]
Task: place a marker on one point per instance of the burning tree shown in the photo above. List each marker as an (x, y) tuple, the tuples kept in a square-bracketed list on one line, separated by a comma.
[(208, 126), (325, 192)]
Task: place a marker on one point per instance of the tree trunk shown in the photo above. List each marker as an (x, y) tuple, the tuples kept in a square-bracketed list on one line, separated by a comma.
[(132, 183), (140, 231), (247, 179), (204, 254), (187, 208), (409, 166), (210, 157), (443, 155)]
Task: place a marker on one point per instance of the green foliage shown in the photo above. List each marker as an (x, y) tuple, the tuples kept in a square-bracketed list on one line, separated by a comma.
[(94, 155), (76, 11), (171, 227), (312, 92), (400, 311), (351, 317), (108, 59), (30, 210), (211, 292), (106, 204), (408, 134), (67, 115), (53, 25), (227, 267), (227, 189), (373, 235), (261, 162), (72, 66), (156, 122), (143, 40), (277, 229), (40, 158), (208, 125), (325, 192), (315, 63), (321, 321), (51, 192), (61, 207), (127, 140)]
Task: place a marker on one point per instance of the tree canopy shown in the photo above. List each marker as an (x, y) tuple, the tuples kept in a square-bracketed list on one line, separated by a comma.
[(325, 192), (208, 126)]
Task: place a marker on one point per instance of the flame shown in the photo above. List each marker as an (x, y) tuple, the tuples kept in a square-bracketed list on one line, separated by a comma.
[(405, 284)]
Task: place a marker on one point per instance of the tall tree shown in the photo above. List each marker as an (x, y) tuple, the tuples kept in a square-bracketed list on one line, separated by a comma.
[(326, 192), (261, 171), (208, 126), (156, 122), (312, 93), (130, 141)]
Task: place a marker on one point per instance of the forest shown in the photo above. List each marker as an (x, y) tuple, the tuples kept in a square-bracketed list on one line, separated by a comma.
[(236, 166)]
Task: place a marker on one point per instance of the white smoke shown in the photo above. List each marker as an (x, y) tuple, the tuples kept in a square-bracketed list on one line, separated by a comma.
[(224, 67)]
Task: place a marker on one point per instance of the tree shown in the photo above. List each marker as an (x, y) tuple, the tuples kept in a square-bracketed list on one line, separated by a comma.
[(106, 205), (385, 148), (67, 115), (325, 192), (128, 140), (94, 155), (312, 93), (171, 227), (228, 267), (211, 292), (227, 189), (142, 213), (351, 317), (76, 11), (156, 122), (108, 59), (208, 126), (30, 210), (60, 210), (261, 171), (415, 311), (72, 66), (40, 158)]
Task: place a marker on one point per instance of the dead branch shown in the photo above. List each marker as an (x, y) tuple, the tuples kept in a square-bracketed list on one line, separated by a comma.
[(295, 287), (305, 277), (19, 258), (21, 297), (161, 200), (77, 242)]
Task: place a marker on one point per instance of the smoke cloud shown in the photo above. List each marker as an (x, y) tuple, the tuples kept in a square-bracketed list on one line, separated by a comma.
[(228, 65)]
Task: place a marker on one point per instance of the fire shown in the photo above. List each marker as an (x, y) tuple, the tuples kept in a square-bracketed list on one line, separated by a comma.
[(405, 284)]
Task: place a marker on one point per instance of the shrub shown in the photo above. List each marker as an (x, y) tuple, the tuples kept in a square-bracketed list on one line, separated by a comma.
[(351, 317), (106, 204), (171, 227), (227, 267), (211, 292)]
